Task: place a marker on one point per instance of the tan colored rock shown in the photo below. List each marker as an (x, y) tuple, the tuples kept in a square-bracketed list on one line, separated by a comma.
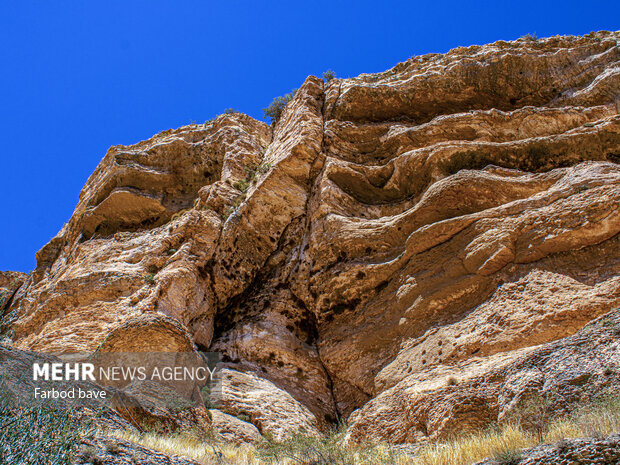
[(447, 217), (570, 371), (232, 430), (10, 282), (271, 409)]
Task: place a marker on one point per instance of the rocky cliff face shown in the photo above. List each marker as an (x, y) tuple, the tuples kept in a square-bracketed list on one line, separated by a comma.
[(449, 218)]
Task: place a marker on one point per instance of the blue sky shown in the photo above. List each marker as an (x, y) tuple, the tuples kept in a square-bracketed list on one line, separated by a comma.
[(80, 76)]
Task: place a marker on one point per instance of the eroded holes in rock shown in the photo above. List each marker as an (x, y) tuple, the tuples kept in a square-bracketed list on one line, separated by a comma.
[(339, 309), (382, 285), (474, 352), (307, 325), (368, 250), (272, 239), (280, 363), (360, 275)]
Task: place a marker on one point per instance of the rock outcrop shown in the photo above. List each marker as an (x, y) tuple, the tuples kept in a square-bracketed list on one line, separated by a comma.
[(594, 451), (455, 216)]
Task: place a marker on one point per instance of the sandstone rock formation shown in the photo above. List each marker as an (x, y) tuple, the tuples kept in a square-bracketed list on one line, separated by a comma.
[(457, 215), (10, 282), (232, 430)]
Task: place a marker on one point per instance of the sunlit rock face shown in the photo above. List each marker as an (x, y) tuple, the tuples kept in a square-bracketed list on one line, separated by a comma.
[(455, 216)]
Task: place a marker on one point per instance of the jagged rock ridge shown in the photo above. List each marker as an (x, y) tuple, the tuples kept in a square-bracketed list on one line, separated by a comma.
[(443, 218)]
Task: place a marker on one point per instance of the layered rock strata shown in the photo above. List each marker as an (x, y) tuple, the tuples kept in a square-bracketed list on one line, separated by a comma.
[(451, 216)]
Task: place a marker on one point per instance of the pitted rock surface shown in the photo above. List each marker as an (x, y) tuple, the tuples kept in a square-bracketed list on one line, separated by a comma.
[(453, 215)]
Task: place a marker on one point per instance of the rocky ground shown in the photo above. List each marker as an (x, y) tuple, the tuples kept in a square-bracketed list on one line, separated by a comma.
[(412, 251)]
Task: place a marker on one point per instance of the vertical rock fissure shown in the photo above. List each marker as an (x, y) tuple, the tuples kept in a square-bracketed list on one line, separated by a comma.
[(311, 313)]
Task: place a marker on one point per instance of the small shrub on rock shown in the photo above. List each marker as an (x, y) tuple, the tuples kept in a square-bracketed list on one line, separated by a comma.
[(276, 108), (329, 75)]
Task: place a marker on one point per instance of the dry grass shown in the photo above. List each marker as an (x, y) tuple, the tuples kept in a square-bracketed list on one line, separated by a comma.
[(600, 419), (192, 447)]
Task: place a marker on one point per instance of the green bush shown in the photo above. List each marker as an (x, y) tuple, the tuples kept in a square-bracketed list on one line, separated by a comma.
[(328, 75), (242, 185), (34, 432), (276, 108), (206, 397), (325, 450), (507, 457)]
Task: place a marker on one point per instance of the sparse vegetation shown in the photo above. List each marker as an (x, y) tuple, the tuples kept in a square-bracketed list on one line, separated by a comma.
[(252, 173), (534, 414), (242, 185), (171, 252), (530, 37), (230, 111), (502, 443), (206, 397), (33, 432), (507, 457), (276, 108), (178, 214), (452, 381), (227, 212), (329, 75), (149, 278), (254, 170), (326, 450)]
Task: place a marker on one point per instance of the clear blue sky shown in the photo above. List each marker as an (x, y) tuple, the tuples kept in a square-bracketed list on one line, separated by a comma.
[(80, 76)]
